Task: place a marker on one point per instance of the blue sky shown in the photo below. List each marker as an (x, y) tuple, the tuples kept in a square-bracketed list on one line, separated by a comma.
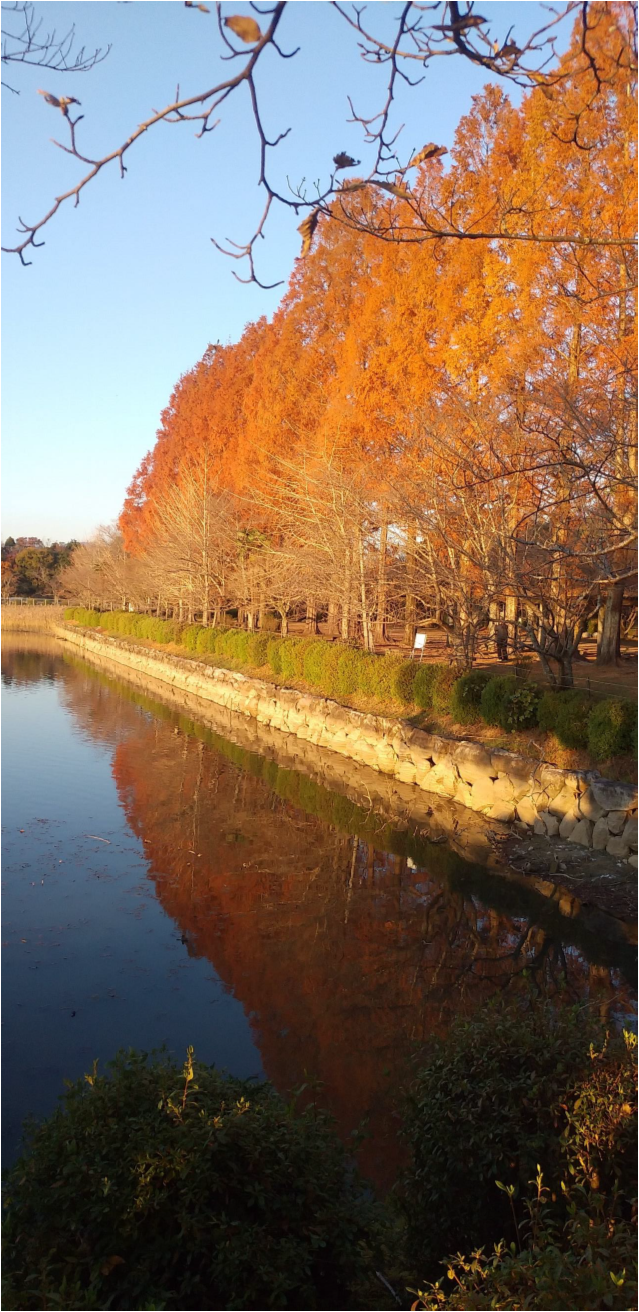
[(129, 290)]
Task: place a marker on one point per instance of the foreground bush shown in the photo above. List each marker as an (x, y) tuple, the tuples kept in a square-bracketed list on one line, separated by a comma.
[(574, 1235), (157, 1187), (498, 1096), (586, 1261)]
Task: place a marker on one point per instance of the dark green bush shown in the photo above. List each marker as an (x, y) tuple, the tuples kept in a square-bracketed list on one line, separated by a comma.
[(548, 709), (575, 1230), (572, 720), (495, 697), (566, 714), (612, 728), (423, 685), (586, 1261), (157, 1187), (466, 694), (485, 1107), (521, 705), (404, 681)]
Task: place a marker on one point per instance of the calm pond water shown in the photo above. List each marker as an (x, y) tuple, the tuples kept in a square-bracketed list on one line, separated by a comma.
[(162, 886)]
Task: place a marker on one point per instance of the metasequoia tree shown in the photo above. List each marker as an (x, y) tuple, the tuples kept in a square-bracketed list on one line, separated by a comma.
[(403, 39), (101, 572), (193, 533), (439, 428)]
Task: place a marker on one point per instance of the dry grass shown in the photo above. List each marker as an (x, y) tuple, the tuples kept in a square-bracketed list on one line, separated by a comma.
[(30, 619)]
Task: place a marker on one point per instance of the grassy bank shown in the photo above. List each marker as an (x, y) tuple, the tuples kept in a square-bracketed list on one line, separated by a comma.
[(570, 728)]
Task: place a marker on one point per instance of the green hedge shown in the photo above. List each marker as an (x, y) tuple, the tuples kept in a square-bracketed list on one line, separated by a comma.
[(339, 670), (465, 702), (612, 728)]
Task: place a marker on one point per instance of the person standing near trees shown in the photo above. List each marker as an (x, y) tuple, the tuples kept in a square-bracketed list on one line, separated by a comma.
[(501, 639)]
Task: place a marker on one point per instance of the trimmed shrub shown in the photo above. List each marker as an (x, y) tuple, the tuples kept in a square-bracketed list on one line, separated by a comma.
[(87, 618), (206, 643), (494, 697), (299, 654), (443, 685), (350, 672), (386, 673), (330, 658), (612, 728), (466, 694), (256, 648), (313, 658), (572, 720), (423, 684), (520, 706), (190, 636), (273, 647), (183, 1189), (404, 681), (288, 649), (549, 707)]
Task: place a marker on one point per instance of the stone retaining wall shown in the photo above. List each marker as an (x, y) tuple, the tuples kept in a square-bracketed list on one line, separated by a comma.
[(577, 805)]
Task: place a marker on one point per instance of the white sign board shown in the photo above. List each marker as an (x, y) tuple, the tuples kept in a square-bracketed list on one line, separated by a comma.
[(420, 642)]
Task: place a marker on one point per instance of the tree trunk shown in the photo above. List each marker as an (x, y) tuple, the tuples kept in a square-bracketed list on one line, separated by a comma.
[(369, 645), (608, 646), (410, 607), (283, 624), (346, 599), (331, 619), (511, 620), (380, 622), (567, 680), (311, 616)]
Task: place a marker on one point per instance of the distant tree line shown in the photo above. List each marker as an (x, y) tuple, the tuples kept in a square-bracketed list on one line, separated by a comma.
[(29, 569)]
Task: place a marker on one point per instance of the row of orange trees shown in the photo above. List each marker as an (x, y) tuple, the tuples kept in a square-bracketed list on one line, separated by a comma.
[(426, 426)]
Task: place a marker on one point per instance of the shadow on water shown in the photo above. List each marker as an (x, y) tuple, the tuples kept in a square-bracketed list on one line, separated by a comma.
[(339, 939)]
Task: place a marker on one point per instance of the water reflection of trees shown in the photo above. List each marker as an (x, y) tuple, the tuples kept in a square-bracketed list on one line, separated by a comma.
[(344, 953)]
